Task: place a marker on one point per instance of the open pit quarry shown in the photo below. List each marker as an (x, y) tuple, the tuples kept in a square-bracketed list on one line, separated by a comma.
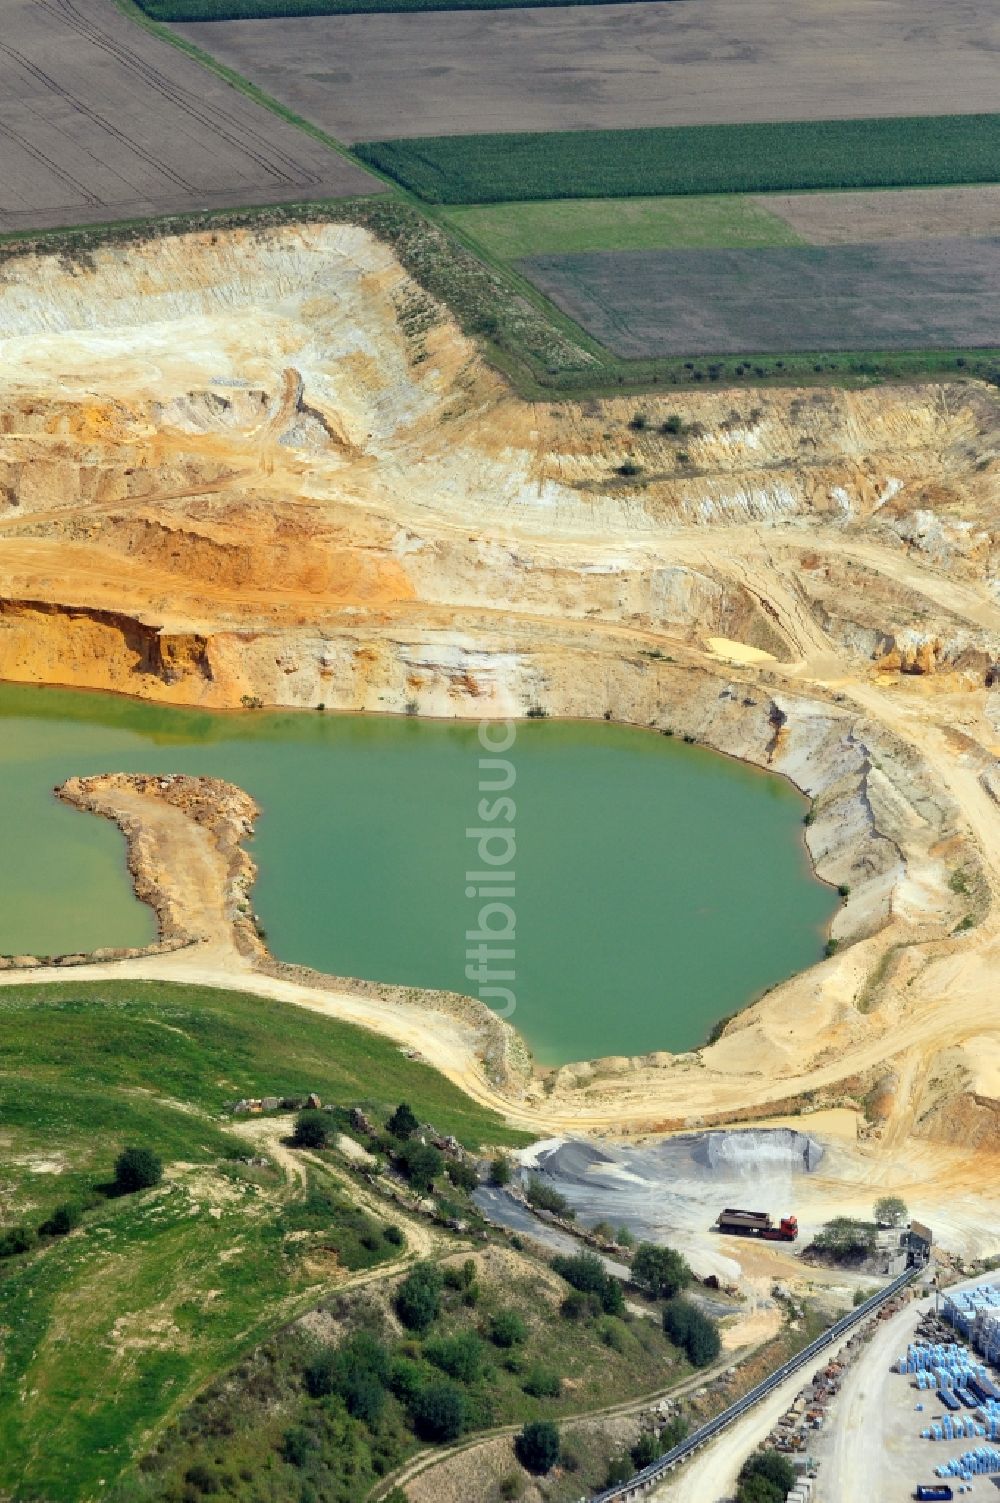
[(264, 467)]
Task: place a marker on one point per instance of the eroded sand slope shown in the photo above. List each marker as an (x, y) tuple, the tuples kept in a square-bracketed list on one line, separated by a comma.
[(266, 466)]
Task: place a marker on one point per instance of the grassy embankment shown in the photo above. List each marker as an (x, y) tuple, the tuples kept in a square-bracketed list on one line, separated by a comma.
[(106, 1331), (560, 1367)]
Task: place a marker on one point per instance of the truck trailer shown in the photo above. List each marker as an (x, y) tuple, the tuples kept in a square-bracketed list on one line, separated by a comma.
[(736, 1223)]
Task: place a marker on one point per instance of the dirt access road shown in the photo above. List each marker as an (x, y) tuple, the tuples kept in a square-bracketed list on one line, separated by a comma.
[(100, 120), (682, 62)]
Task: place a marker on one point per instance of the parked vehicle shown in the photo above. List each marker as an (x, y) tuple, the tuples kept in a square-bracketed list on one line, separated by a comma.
[(736, 1223)]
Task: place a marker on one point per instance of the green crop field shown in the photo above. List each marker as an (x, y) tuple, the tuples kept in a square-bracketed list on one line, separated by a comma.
[(259, 10), (701, 159), (562, 226), (105, 1331)]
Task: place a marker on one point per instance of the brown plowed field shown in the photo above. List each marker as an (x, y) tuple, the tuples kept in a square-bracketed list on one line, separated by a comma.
[(686, 62), (101, 121), (899, 214)]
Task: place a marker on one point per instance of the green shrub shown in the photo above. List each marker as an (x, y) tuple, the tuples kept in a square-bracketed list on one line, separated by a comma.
[(62, 1221), (537, 1446), (460, 1356), (545, 1197), (579, 1306), (462, 1174), (394, 1234), (766, 1477), (201, 1478), (312, 1129), (541, 1383), (438, 1412), (16, 1239), (586, 1272), (507, 1329), (403, 1122), (296, 1447), (137, 1169), (406, 1378), (421, 1163), (418, 1298), (500, 1171), (690, 1329)]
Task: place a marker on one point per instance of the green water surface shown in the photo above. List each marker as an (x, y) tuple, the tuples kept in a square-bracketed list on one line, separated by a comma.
[(658, 886)]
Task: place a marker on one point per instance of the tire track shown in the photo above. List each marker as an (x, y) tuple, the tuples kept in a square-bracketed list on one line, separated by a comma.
[(271, 160), (78, 190), (94, 116)]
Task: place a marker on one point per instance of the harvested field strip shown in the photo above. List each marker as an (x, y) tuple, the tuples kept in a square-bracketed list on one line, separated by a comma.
[(703, 159), (894, 295), (510, 231), (899, 214)]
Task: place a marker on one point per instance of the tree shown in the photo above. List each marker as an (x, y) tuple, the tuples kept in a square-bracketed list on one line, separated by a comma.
[(364, 1396), (418, 1298), (645, 1450), (537, 1446), (890, 1210), (312, 1130), (500, 1170), (16, 1239), (403, 1122), (507, 1329), (660, 1271), (462, 1174), (341, 1369), (690, 1329), (586, 1272), (461, 1356), (846, 1240), (438, 1412), (421, 1163), (766, 1477), (62, 1221), (137, 1169)]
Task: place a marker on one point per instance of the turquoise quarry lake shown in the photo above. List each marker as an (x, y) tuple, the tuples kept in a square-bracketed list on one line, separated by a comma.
[(658, 886)]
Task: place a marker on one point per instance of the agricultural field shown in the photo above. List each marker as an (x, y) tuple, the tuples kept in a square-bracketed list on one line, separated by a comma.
[(105, 1330), (510, 231), (590, 67), (704, 159), (896, 295), (900, 214), (102, 121)]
